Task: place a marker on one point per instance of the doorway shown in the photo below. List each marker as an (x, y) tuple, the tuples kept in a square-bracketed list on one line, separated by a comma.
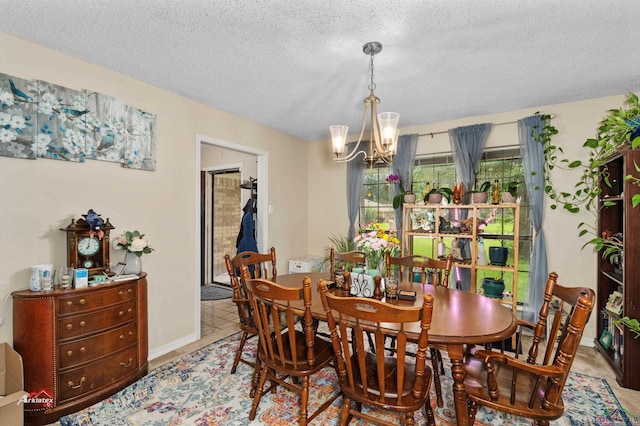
[(216, 154), (221, 216)]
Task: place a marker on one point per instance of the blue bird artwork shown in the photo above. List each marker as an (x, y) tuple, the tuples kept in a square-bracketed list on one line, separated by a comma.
[(95, 224), (72, 113), (19, 93), (107, 141)]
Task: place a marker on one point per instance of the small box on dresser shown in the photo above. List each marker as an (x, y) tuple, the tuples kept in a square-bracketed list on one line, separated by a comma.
[(80, 346)]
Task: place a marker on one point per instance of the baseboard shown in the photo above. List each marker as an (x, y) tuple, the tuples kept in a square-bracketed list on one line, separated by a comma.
[(169, 347)]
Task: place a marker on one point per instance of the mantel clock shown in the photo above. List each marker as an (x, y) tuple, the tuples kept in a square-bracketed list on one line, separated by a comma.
[(88, 247)]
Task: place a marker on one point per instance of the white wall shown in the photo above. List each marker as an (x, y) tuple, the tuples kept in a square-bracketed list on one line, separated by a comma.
[(39, 197), (576, 122)]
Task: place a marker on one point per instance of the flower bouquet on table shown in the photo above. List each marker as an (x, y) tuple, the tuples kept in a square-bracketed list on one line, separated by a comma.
[(375, 242)]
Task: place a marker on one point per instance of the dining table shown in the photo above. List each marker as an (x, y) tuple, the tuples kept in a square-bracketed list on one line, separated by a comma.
[(459, 318)]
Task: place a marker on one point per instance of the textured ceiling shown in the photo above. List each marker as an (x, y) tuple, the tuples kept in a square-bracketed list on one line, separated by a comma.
[(297, 65)]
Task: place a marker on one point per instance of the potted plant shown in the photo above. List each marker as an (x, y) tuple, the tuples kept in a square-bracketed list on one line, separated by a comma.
[(434, 196), (480, 194), (509, 192), (402, 196)]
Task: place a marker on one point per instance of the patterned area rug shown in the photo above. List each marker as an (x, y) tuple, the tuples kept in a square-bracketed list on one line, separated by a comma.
[(215, 292), (199, 390)]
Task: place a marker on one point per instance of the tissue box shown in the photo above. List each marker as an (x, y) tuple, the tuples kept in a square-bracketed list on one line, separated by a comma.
[(11, 386)]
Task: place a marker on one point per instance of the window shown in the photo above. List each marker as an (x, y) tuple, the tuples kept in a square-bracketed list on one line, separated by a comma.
[(504, 165)]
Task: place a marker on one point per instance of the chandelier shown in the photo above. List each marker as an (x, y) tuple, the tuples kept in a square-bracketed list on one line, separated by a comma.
[(383, 133)]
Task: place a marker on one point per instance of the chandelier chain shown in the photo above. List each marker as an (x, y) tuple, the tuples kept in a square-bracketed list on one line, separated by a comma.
[(372, 85)]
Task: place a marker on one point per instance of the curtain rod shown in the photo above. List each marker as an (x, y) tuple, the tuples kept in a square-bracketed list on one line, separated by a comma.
[(441, 132)]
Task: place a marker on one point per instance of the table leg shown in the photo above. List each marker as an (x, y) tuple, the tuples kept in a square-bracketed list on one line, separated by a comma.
[(459, 394)]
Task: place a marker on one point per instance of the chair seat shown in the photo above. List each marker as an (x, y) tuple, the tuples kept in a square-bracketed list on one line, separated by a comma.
[(390, 380), (475, 383), (322, 349)]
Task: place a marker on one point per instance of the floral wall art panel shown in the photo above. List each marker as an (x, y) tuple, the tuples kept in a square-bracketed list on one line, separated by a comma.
[(61, 125), (106, 127), (140, 151), (18, 116), (43, 120)]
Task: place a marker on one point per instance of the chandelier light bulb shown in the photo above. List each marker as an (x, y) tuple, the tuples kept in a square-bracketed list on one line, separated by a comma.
[(338, 138)]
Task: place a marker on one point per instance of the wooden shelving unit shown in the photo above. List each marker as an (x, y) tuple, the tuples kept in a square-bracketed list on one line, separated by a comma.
[(437, 221), (622, 273)]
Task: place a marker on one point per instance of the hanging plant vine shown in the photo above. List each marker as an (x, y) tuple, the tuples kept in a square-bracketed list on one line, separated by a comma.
[(618, 130)]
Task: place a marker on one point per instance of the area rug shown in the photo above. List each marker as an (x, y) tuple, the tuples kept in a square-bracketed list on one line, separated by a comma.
[(198, 389), (215, 292)]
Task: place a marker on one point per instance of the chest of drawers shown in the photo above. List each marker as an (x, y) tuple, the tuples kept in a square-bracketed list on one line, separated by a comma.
[(79, 346)]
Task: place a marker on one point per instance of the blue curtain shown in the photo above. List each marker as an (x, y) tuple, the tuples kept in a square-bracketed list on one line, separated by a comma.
[(467, 145), (533, 164), (355, 176), (403, 166)]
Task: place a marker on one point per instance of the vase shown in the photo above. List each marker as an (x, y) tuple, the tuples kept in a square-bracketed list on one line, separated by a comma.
[(479, 197), (134, 263), (373, 264), (434, 198), (493, 288), (507, 198), (409, 198)]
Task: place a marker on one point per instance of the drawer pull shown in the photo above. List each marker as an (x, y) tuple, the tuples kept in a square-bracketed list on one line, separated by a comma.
[(127, 364), (121, 313), (69, 304), (82, 323), (83, 349), (82, 301), (130, 290), (69, 353), (72, 386), (69, 326), (130, 310), (122, 336), (121, 293)]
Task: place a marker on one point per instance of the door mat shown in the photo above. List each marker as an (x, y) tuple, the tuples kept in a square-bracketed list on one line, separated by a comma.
[(215, 292)]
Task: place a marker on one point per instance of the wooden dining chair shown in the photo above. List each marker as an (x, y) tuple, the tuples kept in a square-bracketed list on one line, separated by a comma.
[(388, 383), (346, 261), (437, 272), (259, 265), (532, 388), (434, 271), (284, 351)]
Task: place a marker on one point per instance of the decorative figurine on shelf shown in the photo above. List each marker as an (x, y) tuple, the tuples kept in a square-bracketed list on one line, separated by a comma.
[(95, 224), (457, 193), (455, 251)]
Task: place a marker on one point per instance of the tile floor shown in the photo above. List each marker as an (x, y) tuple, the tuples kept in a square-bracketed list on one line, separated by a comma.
[(220, 319)]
